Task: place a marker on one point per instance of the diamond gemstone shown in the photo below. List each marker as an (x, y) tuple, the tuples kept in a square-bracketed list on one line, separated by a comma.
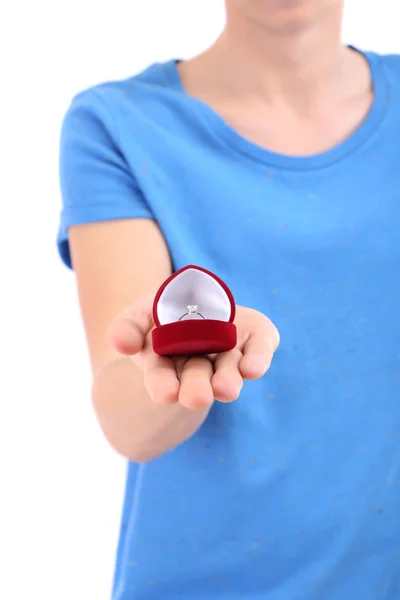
[(192, 308)]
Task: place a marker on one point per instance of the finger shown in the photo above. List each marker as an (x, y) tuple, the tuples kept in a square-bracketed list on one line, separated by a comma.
[(160, 378), (195, 384), (258, 353), (227, 381), (127, 333)]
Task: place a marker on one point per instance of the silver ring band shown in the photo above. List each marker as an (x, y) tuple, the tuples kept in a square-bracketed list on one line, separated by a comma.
[(188, 313)]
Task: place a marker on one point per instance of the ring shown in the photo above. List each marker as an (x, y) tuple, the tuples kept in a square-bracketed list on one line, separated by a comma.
[(192, 309)]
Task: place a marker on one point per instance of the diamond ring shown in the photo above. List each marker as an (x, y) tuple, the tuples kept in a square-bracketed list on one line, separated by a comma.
[(192, 309)]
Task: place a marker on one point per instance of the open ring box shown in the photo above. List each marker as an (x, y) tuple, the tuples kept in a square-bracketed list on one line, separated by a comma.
[(193, 312)]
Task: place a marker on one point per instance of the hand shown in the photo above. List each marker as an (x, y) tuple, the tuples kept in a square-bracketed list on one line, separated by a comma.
[(195, 381)]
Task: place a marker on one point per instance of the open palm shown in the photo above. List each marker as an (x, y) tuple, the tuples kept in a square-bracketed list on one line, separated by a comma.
[(195, 381)]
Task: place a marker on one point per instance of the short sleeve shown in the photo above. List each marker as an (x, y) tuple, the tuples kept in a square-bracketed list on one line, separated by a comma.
[(95, 180)]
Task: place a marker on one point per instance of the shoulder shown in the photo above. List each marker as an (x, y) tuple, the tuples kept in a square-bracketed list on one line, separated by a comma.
[(390, 64), (139, 93), (142, 108), (386, 80), (392, 61)]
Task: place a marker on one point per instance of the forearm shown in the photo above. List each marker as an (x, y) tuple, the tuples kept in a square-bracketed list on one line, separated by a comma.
[(136, 427)]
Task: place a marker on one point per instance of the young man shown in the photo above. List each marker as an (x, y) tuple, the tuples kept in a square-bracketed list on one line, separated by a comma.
[(272, 160)]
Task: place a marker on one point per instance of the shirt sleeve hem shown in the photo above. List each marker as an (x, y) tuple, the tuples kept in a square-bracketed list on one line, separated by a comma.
[(81, 215)]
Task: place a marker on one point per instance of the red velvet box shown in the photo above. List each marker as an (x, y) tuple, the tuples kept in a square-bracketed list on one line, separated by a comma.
[(193, 312)]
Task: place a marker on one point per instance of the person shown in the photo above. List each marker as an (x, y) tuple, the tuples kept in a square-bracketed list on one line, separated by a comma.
[(272, 160)]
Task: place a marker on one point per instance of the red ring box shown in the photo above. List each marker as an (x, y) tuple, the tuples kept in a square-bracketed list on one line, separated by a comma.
[(193, 335)]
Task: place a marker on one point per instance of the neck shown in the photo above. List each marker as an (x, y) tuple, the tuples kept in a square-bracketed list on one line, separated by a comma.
[(277, 62)]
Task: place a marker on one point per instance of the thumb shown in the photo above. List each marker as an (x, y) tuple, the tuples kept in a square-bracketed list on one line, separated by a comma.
[(127, 333)]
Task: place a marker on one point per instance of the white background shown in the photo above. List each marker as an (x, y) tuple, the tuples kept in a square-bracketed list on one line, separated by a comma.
[(61, 486)]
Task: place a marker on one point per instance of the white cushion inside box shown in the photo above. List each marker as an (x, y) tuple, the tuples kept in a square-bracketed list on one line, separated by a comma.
[(193, 287)]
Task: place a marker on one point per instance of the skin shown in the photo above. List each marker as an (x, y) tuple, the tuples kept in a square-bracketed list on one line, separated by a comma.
[(280, 76), (282, 16)]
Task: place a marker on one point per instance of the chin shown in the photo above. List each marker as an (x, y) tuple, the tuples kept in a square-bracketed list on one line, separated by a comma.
[(282, 15)]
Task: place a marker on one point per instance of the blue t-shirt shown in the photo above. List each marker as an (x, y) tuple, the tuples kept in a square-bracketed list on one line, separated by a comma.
[(293, 491)]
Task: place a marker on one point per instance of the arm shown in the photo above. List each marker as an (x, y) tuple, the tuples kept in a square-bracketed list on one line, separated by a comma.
[(147, 404), (117, 263)]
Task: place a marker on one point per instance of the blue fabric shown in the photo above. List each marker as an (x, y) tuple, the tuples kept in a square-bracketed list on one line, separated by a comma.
[(292, 492)]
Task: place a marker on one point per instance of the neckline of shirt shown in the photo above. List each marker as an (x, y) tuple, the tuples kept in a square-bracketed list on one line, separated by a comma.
[(225, 132)]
